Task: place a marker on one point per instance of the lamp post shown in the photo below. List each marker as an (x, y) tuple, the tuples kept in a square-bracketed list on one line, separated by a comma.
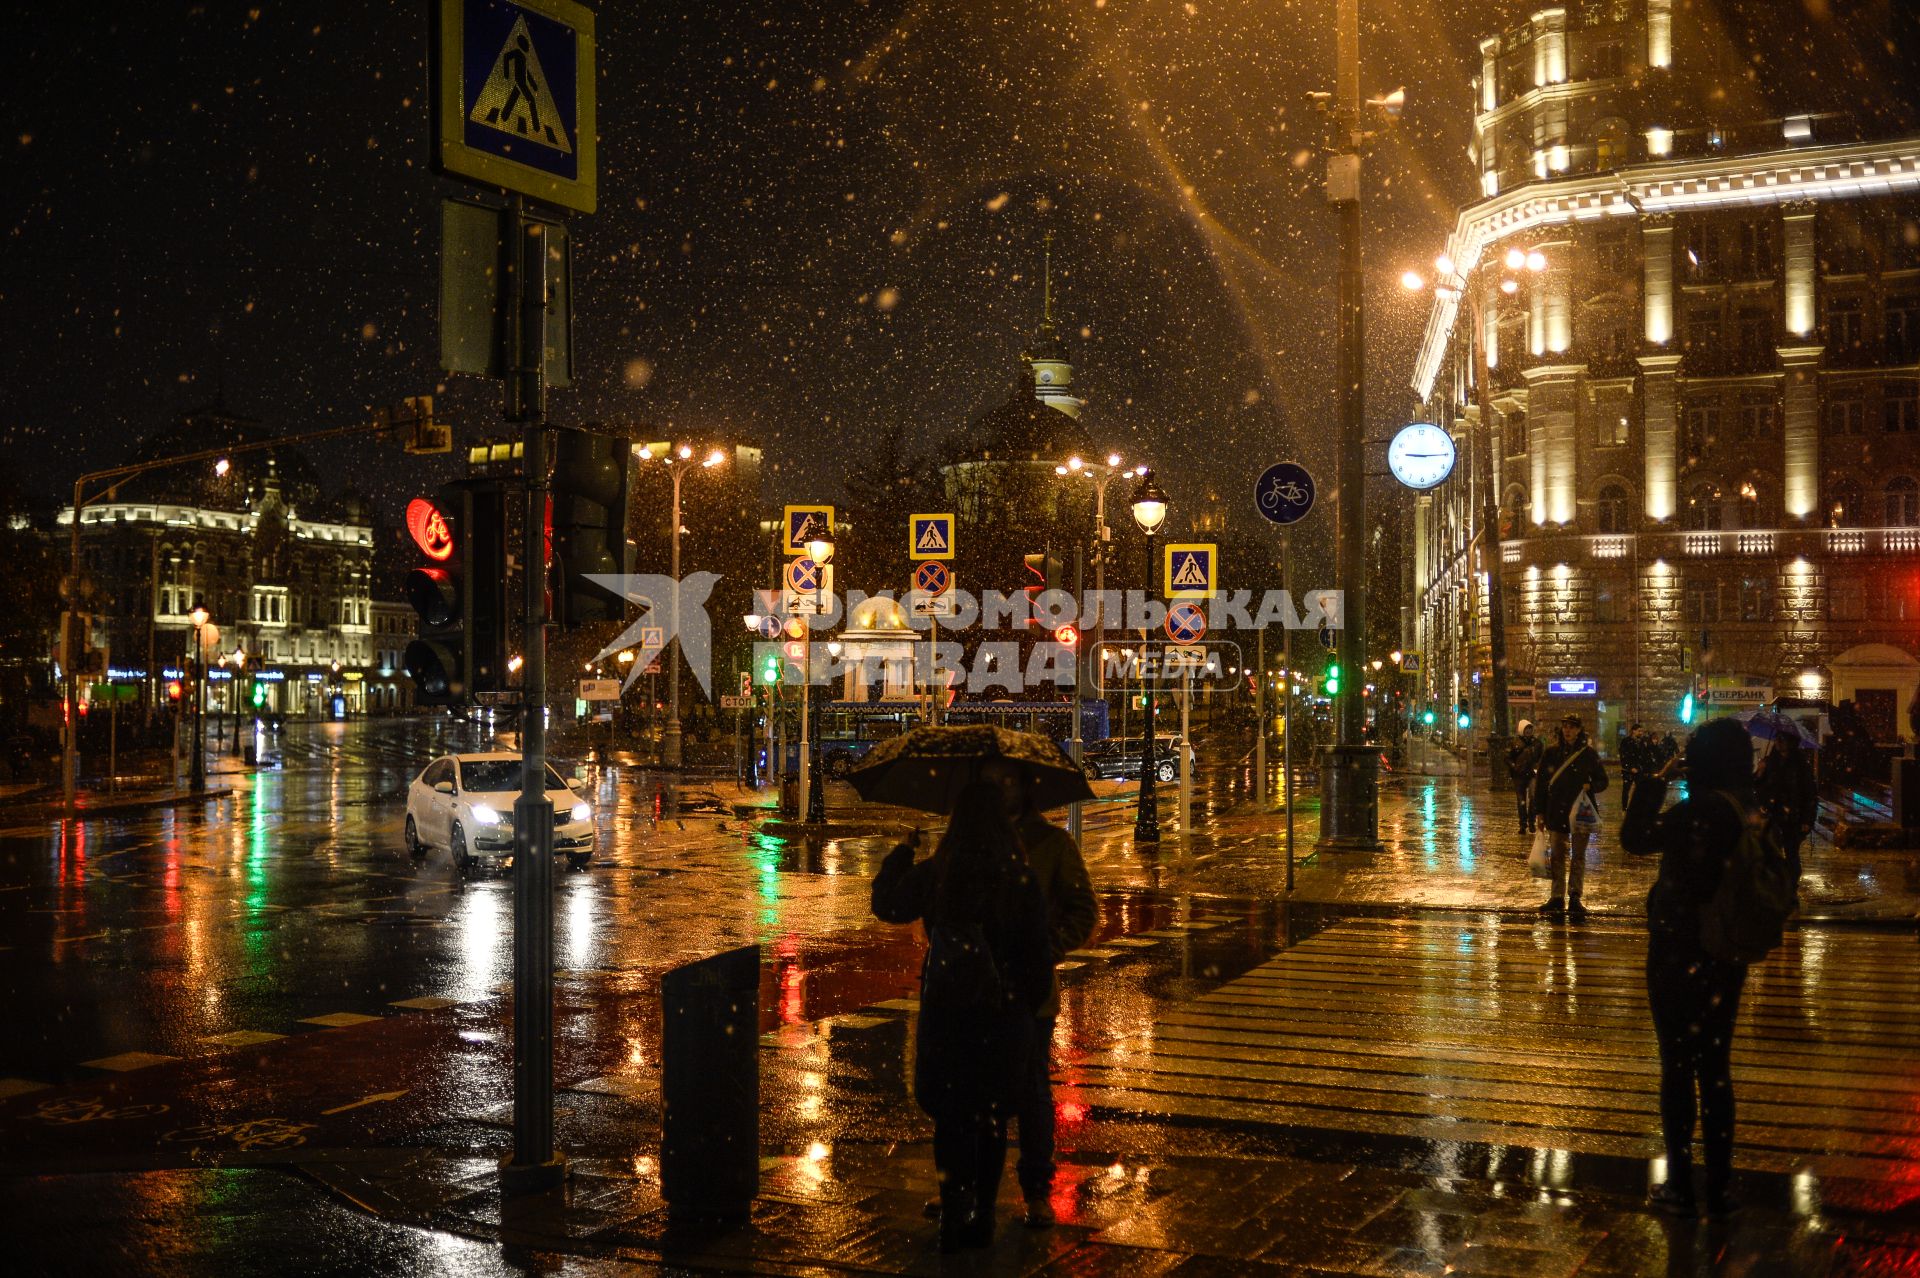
[(199, 616), (676, 461), (813, 807), (1101, 475), (1149, 511)]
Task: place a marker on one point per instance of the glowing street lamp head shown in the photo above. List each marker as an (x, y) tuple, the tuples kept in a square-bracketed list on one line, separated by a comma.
[(199, 614), (1149, 504), (1412, 281), (221, 467), (1509, 287), (1074, 463), (1113, 459), (1536, 261), (717, 457), (820, 547), (1516, 259), (684, 451), (1444, 265), (753, 620)]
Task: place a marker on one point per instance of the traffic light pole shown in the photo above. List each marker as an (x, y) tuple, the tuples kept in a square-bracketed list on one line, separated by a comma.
[(534, 1164)]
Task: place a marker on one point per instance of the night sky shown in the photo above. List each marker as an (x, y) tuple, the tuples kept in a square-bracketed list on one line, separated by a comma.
[(815, 219)]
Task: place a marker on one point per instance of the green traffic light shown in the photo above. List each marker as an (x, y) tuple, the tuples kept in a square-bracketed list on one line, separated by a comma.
[(1463, 721), (1426, 718)]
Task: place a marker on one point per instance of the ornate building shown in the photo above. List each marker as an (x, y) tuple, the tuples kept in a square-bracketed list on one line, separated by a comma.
[(1678, 343), (284, 574)]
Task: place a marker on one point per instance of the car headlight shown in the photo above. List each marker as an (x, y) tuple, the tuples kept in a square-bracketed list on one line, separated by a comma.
[(484, 815), (583, 812)]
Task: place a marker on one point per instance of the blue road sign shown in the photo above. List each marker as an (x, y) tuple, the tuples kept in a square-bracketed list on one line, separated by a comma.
[(1186, 623), (932, 578), (930, 536), (803, 575), (1329, 640), (514, 96), (1284, 493)]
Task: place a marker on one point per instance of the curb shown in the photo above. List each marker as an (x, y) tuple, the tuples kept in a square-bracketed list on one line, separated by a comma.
[(168, 800)]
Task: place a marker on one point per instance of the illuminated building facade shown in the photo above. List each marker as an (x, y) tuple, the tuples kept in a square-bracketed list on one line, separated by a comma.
[(1677, 340)]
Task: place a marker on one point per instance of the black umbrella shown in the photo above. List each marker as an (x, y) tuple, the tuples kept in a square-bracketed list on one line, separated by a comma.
[(928, 767)]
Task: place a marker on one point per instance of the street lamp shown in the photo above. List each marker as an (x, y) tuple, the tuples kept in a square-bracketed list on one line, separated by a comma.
[(1149, 511), (199, 617), (813, 797), (676, 461)]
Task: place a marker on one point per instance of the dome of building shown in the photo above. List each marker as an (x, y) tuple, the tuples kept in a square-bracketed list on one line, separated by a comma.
[(1028, 429)]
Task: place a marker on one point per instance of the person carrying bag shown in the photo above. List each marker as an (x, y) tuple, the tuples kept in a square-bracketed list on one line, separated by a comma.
[(1569, 771)]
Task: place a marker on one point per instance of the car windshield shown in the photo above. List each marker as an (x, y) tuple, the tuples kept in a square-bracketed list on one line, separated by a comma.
[(499, 776)]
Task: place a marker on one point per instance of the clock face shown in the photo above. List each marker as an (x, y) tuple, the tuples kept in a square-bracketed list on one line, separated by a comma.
[(1421, 455)]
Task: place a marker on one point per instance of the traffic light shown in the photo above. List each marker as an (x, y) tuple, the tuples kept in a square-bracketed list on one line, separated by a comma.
[(1461, 718), (1333, 678), (771, 665), (1067, 636), (1427, 717), (1686, 707), (259, 695), (459, 593), (1043, 574), (592, 481)]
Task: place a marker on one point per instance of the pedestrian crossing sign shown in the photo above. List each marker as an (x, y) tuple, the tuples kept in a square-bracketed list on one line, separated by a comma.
[(513, 97), (804, 522), (1192, 570), (930, 536)]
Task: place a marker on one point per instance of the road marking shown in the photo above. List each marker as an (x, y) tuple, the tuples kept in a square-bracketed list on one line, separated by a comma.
[(426, 1003), (128, 1061), (19, 1087), (243, 1038), (365, 1100), (338, 1020), (65, 940)]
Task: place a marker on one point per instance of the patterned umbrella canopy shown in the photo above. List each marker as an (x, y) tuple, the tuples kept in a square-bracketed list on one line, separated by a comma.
[(928, 767), (1768, 724)]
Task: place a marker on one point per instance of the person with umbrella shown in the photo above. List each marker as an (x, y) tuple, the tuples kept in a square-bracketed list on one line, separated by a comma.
[(1787, 793), (987, 972), (1028, 774)]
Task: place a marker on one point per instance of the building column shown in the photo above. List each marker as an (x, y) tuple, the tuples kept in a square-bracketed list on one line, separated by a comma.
[(1798, 261), (1551, 403), (1656, 265), (1660, 434), (1800, 433)]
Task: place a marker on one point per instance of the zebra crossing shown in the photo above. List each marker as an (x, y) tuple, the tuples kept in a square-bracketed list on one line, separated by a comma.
[(1522, 1034)]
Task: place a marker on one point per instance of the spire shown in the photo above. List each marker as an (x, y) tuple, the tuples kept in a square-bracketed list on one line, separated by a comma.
[(1047, 363), (1046, 284)]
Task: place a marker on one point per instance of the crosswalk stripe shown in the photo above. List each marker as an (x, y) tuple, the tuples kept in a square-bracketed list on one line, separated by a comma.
[(1513, 1034)]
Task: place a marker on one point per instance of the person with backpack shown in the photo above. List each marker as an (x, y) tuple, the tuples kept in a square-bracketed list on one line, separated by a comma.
[(1569, 770), (1523, 758), (988, 971), (1720, 902)]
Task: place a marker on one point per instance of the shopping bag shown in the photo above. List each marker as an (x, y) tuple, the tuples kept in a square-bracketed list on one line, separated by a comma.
[(1585, 810), (1539, 860)]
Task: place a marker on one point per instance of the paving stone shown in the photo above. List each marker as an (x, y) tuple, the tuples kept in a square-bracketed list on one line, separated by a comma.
[(426, 1003), (338, 1020), (244, 1038), (125, 1061), (19, 1087)]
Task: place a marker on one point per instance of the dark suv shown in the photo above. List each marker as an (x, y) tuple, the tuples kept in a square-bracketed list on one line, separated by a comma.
[(1118, 758)]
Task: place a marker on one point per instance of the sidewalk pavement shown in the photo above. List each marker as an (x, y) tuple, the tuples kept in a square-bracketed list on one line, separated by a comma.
[(92, 801)]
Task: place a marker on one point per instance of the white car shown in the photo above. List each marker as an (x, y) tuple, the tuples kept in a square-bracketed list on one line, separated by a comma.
[(464, 803)]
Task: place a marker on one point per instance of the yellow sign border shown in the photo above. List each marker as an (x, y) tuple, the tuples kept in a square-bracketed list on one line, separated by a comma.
[(451, 151), (786, 526), (1213, 569), (913, 551)]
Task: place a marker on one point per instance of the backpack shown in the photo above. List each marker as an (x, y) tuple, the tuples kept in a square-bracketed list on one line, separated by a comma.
[(1744, 919), (960, 974)]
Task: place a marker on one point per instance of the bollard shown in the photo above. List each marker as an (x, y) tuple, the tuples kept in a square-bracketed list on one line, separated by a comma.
[(710, 1085)]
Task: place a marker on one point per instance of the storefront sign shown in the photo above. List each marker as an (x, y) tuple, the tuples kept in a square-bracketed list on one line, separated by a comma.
[(1573, 687)]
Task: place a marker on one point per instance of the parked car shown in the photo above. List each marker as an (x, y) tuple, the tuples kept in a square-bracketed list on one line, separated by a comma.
[(464, 803), (1118, 758)]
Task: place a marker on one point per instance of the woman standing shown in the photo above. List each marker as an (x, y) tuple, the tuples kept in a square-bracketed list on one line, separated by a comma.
[(988, 970), (1788, 793), (1693, 995)]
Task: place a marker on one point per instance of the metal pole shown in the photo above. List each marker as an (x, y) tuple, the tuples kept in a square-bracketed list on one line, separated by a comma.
[(199, 770), (670, 747), (535, 1164), (1286, 741), (1186, 762), (113, 743), (806, 726), (1079, 703), (1146, 821), (1490, 547), (70, 753), (1349, 811), (1260, 719)]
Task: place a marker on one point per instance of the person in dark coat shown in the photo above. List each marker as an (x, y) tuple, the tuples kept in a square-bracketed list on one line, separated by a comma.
[(1569, 768), (1694, 997), (1072, 916), (1523, 757), (1787, 794), (1639, 759), (971, 1043)]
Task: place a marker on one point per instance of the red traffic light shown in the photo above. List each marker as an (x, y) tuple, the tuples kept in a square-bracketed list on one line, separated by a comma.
[(173, 690), (1066, 636), (429, 529)]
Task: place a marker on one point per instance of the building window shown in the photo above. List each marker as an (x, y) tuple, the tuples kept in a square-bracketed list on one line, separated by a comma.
[(1849, 601), (1613, 254), (1748, 507), (1756, 418), (1844, 328), (1847, 417), (1756, 599), (1903, 329), (1900, 410), (1703, 428), (1611, 603), (1613, 510), (1609, 60), (1754, 249), (1701, 250), (1701, 602), (1844, 507), (1903, 503), (1702, 513), (1755, 333), (1703, 330)]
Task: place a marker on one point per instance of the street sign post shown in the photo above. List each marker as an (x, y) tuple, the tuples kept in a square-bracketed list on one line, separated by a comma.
[(513, 97), (599, 689), (1285, 493), (930, 536)]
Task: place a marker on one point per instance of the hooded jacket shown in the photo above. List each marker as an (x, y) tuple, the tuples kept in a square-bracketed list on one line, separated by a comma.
[(1692, 838)]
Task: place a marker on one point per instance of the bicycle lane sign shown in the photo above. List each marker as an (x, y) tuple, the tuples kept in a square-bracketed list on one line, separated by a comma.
[(1284, 493)]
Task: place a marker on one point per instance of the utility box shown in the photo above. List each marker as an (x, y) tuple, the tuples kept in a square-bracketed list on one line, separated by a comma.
[(710, 1085)]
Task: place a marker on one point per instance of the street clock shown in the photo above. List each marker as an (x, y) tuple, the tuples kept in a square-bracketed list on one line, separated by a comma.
[(1421, 456)]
